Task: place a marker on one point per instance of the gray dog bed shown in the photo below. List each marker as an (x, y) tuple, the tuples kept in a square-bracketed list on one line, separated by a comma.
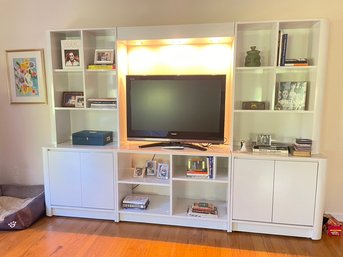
[(20, 205)]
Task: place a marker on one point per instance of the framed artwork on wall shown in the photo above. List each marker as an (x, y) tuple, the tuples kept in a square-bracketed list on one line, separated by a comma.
[(26, 73)]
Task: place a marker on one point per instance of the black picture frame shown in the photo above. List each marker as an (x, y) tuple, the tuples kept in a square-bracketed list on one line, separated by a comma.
[(69, 98)]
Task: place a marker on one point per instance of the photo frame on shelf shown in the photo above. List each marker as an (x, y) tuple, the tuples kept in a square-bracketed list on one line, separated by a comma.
[(138, 172), (104, 56), (26, 74), (79, 101), (291, 95), (71, 54), (163, 171), (151, 167), (69, 98)]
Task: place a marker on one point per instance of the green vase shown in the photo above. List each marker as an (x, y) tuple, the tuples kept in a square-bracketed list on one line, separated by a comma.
[(253, 58)]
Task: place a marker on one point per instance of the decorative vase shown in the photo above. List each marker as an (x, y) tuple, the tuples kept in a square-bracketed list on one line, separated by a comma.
[(253, 58)]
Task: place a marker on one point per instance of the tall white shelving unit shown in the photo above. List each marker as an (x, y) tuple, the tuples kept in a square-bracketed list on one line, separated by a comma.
[(92, 83), (306, 39), (286, 193)]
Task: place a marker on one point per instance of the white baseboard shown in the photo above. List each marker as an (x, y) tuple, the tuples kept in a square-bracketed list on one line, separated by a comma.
[(337, 215)]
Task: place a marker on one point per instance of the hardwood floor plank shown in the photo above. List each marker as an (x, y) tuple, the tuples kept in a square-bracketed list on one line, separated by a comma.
[(59, 236)]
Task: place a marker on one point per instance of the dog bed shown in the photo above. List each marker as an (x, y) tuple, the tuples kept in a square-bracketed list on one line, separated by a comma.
[(20, 206)]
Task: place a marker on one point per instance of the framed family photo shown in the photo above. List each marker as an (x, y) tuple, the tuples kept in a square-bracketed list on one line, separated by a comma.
[(71, 99), (138, 172), (151, 167), (104, 56), (71, 54), (163, 171), (291, 95), (26, 74)]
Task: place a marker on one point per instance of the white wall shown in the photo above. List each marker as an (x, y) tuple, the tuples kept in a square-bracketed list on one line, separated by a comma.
[(24, 129)]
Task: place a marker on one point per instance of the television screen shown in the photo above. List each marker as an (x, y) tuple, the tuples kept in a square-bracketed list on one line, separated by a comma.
[(176, 108)]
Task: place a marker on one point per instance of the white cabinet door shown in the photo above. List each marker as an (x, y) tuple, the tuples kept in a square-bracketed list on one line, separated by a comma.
[(294, 192), (253, 190), (64, 178), (97, 180)]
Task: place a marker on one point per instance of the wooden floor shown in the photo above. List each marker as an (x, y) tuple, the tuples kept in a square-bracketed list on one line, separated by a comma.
[(57, 236)]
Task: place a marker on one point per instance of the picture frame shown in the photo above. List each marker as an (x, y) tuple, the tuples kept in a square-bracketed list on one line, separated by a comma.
[(151, 167), (104, 56), (291, 95), (79, 101), (69, 98), (138, 172), (163, 171), (26, 76), (71, 54)]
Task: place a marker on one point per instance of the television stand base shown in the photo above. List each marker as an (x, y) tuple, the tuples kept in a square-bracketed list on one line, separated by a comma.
[(174, 146)]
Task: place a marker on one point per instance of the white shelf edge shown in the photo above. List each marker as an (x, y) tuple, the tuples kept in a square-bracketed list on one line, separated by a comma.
[(273, 111), (83, 109), (145, 181), (67, 70), (207, 180)]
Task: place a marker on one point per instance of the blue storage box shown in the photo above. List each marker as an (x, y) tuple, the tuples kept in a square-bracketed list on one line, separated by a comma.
[(92, 137)]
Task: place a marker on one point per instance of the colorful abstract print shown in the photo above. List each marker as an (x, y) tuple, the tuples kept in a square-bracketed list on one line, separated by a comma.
[(25, 74)]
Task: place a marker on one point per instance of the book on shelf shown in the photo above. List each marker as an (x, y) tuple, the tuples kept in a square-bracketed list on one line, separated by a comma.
[(101, 67), (203, 207), (103, 105), (274, 149), (301, 153), (303, 141), (283, 49), (278, 56), (302, 147), (103, 100), (135, 201), (198, 174), (210, 167)]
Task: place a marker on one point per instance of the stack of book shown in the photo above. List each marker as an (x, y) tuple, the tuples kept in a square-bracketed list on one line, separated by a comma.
[(203, 209), (135, 202), (296, 62), (282, 48), (276, 148), (282, 53), (102, 102), (302, 147)]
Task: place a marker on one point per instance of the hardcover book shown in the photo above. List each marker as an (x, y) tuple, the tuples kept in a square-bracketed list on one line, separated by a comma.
[(135, 199)]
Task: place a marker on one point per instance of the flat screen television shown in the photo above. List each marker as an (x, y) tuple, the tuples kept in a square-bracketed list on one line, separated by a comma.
[(176, 110)]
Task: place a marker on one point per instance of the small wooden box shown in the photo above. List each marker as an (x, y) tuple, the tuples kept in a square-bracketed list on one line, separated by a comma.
[(254, 105)]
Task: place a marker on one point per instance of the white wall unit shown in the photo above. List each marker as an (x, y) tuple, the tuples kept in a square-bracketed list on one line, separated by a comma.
[(80, 183), (278, 195), (260, 193)]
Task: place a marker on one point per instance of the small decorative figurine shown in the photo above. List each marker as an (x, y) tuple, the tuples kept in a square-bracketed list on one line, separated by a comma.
[(243, 146), (253, 58)]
